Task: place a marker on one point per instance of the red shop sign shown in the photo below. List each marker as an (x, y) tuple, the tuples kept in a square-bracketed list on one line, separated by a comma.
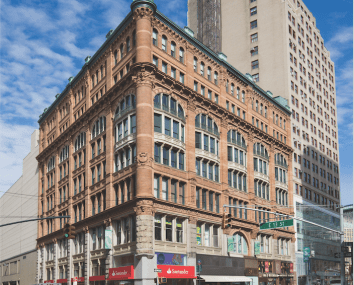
[(79, 279), (266, 266), (121, 273), (97, 278), (291, 267), (174, 271), (62, 280), (49, 281)]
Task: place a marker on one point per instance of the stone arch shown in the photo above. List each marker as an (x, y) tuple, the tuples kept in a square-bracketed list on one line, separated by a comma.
[(246, 235)]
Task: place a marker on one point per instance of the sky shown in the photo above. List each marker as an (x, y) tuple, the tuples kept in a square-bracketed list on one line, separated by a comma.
[(43, 43)]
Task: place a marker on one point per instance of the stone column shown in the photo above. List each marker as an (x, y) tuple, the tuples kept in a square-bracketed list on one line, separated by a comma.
[(55, 271), (39, 260), (190, 190), (109, 257), (271, 173), (191, 235), (250, 174), (87, 255), (144, 257), (109, 158), (70, 246), (43, 262)]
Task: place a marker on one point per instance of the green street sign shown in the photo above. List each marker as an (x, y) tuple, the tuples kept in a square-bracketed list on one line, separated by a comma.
[(199, 268), (277, 224)]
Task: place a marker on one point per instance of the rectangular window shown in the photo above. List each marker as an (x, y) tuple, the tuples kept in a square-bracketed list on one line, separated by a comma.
[(167, 126), (181, 193), (164, 67), (173, 72), (211, 206), (181, 161), (166, 158), (253, 24), (253, 11), (197, 194), (197, 167), (157, 186), (165, 188), (155, 61), (175, 129), (254, 38), (181, 77), (158, 123), (254, 64), (204, 206), (174, 191)]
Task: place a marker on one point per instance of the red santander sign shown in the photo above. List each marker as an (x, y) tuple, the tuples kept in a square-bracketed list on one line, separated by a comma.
[(173, 271), (121, 273)]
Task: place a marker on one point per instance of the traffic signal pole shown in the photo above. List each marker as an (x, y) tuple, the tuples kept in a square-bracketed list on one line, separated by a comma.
[(287, 216), (31, 220)]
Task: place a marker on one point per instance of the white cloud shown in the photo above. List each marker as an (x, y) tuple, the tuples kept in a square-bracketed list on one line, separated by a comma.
[(340, 42)]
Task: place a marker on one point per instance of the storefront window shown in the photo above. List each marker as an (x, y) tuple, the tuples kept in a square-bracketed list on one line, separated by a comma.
[(199, 234), (126, 230), (215, 237), (237, 244)]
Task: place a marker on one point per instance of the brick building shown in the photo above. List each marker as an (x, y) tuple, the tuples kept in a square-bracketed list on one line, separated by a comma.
[(144, 147)]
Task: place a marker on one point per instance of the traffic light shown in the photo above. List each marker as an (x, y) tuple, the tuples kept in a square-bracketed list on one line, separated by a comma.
[(226, 220), (228, 224), (69, 231)]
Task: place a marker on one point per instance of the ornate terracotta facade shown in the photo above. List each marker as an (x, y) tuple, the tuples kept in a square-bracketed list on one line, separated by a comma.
[(124, 175)]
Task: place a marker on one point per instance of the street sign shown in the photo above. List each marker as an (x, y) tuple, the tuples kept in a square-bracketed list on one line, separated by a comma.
[(158, 270), (307, 254), (199, 262), (199, 268), (277, 224), (348, 254), (337, 255)]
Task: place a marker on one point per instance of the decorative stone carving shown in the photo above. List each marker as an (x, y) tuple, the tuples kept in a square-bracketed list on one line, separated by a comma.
[(143, 158), (142, 12), (86, 229), (143, 78), (54, 240), (108, 222), (144, 207)]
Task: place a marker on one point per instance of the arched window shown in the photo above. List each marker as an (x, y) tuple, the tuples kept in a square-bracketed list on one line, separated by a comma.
[(64, 154), (256, 105), (80, 141), (238, 93), (124, 106), (181, 55), (128, 44), (202, 68), (284, 124), (121, 51), (115, 57), (261, 109), (216, 81), (280, 121), (164, 43), (195, 64), (276, 119), (96, 76), (227, 86), (169, 128), (173, 49), (209, 73), (232, 89), (124, 130), (207, 147), (281, 188), (243, 96), (239, 244), (154, 37), (98, 127), (134, 38), (51, 164), (265, 111), (261, 164), (236, 156)]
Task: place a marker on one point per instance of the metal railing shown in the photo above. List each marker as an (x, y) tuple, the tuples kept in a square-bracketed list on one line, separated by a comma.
[(237, 142), (262, 154), (166, 108), (124, 111), (281, 163), (207, 128)]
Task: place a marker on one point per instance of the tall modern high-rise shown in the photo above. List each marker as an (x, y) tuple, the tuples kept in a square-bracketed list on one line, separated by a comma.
[(278, 43)]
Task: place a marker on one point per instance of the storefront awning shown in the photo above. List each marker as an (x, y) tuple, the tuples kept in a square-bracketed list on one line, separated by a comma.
[(218, 278)]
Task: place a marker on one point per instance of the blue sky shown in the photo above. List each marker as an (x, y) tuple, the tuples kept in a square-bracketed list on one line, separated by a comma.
[(43, 43)]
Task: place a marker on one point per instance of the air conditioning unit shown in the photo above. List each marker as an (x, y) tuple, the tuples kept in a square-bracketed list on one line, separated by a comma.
[(253, 49)]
